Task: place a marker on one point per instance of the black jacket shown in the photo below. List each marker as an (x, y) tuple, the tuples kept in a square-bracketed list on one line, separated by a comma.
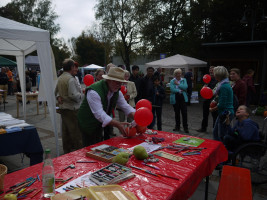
[(3, 79), (158, 99)]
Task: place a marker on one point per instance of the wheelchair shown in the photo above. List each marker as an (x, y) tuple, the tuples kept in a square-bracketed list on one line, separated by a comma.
[(253, 156)]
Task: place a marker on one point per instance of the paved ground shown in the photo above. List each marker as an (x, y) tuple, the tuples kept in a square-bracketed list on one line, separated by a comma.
[(44, 127)]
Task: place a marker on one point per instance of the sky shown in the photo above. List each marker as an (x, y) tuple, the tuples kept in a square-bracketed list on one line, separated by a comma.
[(74, 16)]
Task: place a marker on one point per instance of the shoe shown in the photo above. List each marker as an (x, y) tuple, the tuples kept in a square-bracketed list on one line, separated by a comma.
[(201, 130), (5, 102), (186, 130), (176, 129)]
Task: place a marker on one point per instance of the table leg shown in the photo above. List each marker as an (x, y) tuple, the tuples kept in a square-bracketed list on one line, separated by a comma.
[(37, 103), (207, 187)]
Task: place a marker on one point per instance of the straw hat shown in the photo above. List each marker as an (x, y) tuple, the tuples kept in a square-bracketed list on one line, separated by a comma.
[(115, 74)]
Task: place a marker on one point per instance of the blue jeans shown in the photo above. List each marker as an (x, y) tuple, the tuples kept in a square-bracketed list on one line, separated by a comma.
[(220, 128)]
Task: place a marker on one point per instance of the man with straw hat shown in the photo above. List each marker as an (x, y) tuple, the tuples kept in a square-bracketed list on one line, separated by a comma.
[(100, 99)]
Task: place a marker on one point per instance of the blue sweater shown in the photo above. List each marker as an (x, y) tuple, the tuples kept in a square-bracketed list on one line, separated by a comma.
[(181, 88), (225, 99), (247, 129)]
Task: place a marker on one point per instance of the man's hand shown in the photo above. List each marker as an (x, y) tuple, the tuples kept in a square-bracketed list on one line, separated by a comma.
[(120, 126)]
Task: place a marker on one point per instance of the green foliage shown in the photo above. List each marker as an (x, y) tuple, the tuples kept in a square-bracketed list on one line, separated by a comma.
[(224, 20), (122, 20), (89, 50), (61, 52)]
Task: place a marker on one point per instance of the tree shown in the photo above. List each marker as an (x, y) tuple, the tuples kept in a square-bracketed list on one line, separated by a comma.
[(61, 51), (225, 20), (122, 20), (89, 50), (38, 13), (164, 25)]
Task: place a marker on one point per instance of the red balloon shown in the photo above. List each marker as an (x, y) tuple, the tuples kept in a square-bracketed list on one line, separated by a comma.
[(206, 93), (140, 129), (143, 103), (143, 116), (206, 78), (88, 79), (130, 131), (123, 90)]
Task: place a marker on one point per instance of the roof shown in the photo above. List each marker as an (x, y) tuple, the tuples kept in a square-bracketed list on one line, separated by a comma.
[(7, 62), (32, 60), (177, 61)]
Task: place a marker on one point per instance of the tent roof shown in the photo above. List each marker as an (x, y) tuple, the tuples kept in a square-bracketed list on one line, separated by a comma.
[(19, 40), (17, 37), (7, 62), (32, 60), (177, 61), (93, 66)]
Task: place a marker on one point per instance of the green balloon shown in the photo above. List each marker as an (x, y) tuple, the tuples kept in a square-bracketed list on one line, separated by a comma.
[(121, 158)]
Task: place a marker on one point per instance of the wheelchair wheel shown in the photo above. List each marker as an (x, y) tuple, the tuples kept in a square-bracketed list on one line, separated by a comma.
[(252, 156)]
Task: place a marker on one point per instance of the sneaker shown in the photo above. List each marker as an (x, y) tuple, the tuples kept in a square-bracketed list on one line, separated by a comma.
[(186, 130), (201, 130)]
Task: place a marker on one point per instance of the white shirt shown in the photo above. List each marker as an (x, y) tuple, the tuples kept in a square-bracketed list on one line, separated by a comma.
[(96, 106)]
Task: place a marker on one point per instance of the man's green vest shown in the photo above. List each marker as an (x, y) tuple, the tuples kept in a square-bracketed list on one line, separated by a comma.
[(87, 120)]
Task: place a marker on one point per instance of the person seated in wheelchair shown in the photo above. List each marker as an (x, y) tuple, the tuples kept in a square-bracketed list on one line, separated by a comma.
[(245, 130)]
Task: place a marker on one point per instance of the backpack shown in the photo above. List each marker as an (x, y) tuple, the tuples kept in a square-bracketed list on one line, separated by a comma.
[(235, 102)]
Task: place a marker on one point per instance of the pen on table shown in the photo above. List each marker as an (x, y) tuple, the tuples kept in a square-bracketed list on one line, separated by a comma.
[(38, 177), (80, 161), (152, 166), (168, 176), (60, 185), (23, 196), (31, 182), (34, 194), (27, 192), (68, 179), (19, 184), (147, 171), (189, 153)]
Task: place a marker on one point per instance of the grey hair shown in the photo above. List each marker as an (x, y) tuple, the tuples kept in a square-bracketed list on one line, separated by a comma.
[(220, 72), (176, 71), (127, 72)]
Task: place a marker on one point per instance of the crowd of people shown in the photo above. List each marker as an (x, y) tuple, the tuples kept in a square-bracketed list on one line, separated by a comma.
[(10, 82), (88, 116)]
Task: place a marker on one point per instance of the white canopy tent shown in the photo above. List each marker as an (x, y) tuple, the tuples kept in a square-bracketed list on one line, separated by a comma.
[(177, 61), (93, 66), (90, 68), (17, 39)]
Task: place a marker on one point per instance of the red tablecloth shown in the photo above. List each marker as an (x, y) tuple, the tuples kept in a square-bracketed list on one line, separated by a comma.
[(191, 170)]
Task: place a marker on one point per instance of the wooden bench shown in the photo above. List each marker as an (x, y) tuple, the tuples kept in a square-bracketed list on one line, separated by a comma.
[(235, 184)]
